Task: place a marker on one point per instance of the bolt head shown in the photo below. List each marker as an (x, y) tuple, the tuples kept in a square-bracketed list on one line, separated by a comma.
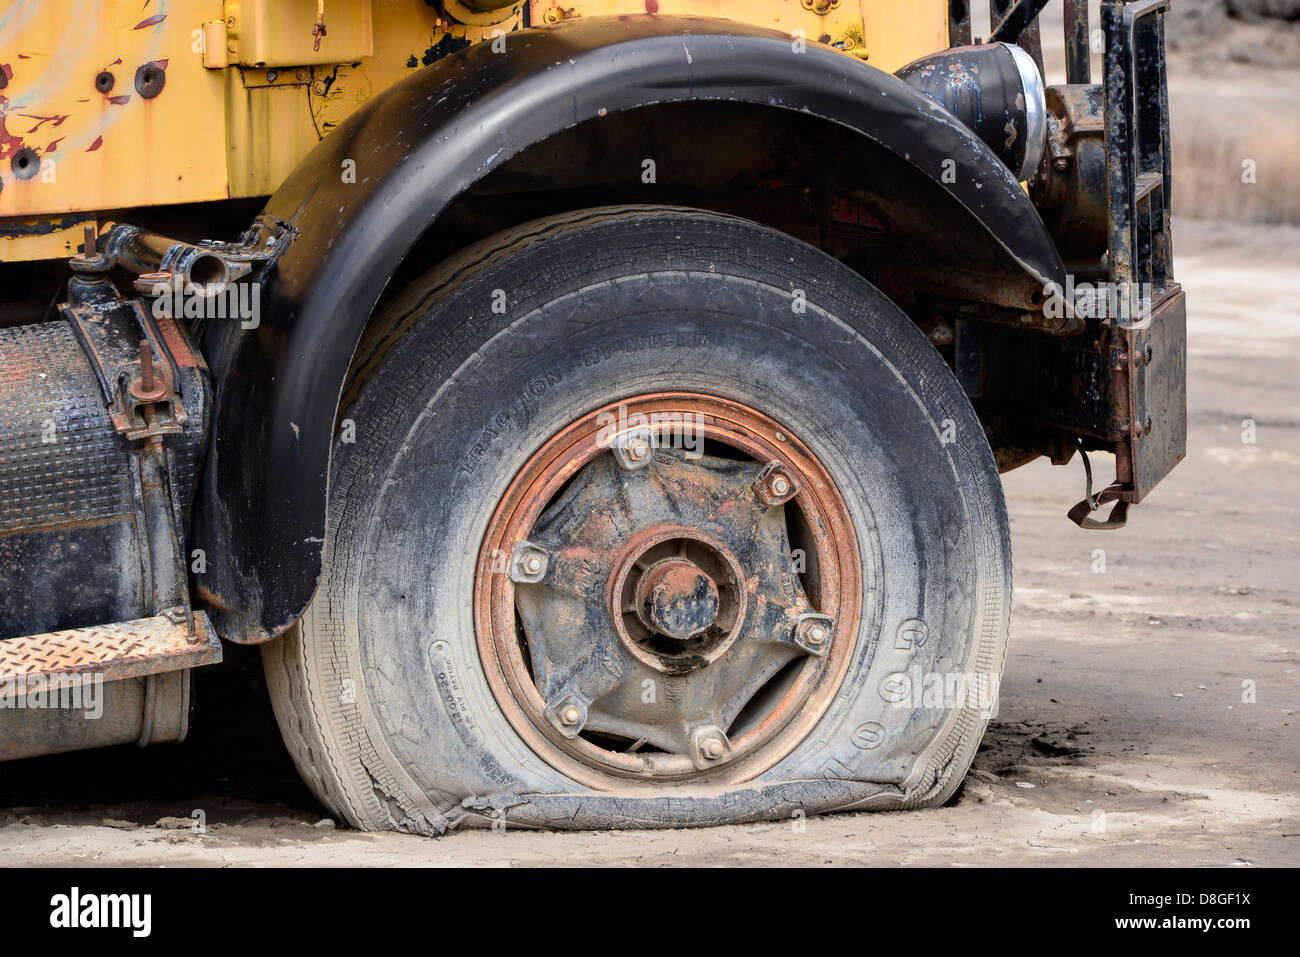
[(678, 599), (776, 486), (813, 634), (570, 715), (528, 563), (634, 449), (712, 748)]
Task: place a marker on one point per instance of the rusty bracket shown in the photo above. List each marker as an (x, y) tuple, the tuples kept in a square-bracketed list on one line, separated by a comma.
[(1081, 514), (146, 367)]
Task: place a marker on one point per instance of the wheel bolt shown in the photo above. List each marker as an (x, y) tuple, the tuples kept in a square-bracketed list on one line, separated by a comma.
[(709, 746), (528, 563), (570, 715), (775, 486), (813, 633), (632, 450)]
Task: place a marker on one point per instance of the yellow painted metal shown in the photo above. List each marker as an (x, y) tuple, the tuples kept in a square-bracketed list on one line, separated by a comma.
[(279, 32), (114, 147), (43, 237), (269, 127), (216, 54), (408, 36), (885, 33), (246, 95), (900, 31)]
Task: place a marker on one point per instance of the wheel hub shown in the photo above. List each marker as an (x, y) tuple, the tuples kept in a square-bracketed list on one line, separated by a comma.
[(669, 611), (677, 599)]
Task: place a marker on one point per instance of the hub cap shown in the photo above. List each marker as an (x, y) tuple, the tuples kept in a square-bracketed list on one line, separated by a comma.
[(668, 590)]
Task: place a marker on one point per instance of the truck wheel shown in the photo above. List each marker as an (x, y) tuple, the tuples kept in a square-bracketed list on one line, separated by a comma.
[(653, 517)]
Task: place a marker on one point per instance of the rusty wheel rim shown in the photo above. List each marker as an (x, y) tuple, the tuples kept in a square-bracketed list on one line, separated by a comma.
[(711, 612)]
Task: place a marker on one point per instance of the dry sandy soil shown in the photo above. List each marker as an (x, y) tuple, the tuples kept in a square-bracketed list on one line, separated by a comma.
[(1123, 737)]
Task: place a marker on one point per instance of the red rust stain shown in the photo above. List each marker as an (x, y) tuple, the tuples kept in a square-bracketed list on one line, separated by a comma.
[(99, 141), (120, 99), (9, 142), (150, 21), (56, 119)]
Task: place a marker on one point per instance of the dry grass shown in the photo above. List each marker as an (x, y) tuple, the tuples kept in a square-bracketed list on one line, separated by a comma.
[(1209, 154), (1232, 88), (1224, 116)]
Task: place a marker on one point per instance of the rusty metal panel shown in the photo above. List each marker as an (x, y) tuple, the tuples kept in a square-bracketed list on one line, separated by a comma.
[(1156, 366), (127, 649)]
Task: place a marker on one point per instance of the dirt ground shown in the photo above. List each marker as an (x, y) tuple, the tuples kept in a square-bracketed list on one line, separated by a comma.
[(1127, 733)]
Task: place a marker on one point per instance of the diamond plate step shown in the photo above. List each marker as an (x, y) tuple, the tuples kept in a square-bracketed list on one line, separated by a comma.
[(127, 649)]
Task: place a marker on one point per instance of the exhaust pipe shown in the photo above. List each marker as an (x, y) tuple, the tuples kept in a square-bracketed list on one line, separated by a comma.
[(202, 271)]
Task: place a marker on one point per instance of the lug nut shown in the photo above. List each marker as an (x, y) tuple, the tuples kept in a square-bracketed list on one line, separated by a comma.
[(813, 633), (775, 486), (709, 745), (529, 563), (634, 449), (567, 715)]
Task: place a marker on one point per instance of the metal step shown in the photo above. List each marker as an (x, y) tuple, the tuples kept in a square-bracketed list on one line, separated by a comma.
[(127, 649)]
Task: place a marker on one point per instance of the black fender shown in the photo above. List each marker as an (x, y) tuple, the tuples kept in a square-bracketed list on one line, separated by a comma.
[(260, 515)]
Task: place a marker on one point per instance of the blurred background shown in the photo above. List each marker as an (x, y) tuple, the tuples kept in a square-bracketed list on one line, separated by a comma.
[(1234, 72)]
